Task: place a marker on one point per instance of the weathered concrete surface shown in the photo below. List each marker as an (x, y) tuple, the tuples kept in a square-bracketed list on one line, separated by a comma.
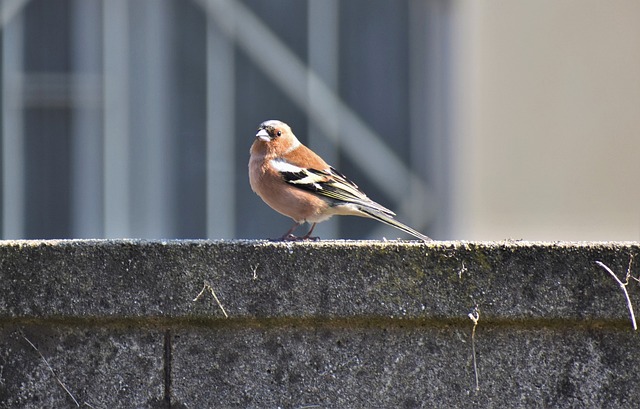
[(413, 366), (330, 324), (102, 367)]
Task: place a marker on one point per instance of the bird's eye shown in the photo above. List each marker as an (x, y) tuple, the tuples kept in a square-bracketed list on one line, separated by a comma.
[(279, 133)]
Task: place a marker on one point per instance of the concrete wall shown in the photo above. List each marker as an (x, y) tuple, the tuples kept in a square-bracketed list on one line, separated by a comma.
[(315, 325)]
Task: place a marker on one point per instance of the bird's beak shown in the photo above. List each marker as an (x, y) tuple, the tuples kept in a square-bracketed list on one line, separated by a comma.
[(263, 135)]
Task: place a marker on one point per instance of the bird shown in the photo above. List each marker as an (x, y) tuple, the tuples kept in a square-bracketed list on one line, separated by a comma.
[(296, 182)]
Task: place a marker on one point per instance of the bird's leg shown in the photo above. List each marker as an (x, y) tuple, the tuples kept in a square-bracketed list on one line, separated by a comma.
[(308, 235), (288, 236)]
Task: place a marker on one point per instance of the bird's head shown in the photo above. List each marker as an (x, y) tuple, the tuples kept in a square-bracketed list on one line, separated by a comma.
[(274, 137)]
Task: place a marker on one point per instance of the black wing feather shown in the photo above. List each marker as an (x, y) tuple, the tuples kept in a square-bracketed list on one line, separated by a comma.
[(333, 185)]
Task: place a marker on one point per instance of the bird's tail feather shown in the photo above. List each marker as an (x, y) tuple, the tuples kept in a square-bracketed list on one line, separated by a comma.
[(386, 219)]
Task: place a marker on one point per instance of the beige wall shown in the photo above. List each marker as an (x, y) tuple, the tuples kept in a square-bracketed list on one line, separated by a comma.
[(548, 146)]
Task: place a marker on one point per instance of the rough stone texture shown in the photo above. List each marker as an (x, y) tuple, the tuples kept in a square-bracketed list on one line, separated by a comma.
[(322, 324), (412, 366), (103, 367)]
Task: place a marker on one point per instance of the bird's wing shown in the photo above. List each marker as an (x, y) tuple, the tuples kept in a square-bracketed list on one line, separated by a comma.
[(329, 184), (335, 187)]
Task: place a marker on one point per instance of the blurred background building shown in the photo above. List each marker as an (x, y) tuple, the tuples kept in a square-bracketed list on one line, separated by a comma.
[(471, 119)]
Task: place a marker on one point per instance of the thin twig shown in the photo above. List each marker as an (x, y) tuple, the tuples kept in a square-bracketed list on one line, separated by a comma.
[(51, 369), (629, 269), (475, 317), (208, 286), (463, 269), (91, 406), (624, 290)]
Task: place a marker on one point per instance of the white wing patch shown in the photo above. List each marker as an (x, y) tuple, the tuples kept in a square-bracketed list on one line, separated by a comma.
[(283, 166), (309, 178)]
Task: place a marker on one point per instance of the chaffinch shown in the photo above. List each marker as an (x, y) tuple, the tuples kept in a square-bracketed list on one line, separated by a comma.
[(297, 183)]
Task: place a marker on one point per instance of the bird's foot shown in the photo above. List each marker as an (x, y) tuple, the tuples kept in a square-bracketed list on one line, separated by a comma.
[(291, 237)]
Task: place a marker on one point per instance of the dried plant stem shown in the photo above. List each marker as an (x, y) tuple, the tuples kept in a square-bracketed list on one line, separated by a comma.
[(206, 287), (623, 286), (52, 371), (475, 317)]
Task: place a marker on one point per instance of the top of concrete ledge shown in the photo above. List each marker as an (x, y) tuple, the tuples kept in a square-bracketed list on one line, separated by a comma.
[(136, 279)]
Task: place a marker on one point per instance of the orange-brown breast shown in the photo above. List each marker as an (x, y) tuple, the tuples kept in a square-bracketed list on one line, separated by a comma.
[(288, 200)]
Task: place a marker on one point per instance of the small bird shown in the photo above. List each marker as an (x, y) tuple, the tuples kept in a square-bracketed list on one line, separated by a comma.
[(297, 183)]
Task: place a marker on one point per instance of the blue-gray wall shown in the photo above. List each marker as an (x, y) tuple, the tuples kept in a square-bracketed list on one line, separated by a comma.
[(134, 118)]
